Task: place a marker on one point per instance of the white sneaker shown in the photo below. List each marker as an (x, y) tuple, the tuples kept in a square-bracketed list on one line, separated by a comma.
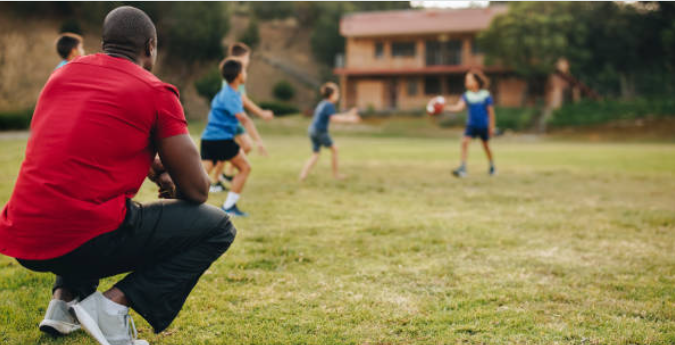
[(58, 320), (108, 328)]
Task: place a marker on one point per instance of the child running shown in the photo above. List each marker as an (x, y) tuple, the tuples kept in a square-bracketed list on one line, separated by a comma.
[(481, 118), (218, 143), (242, 52), (318, 131), (69, 46)]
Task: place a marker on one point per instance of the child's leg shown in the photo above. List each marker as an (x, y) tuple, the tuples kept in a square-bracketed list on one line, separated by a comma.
[(241, 163), (488, 152), (309, 165), (246, 144), (208, 166), (465, 149), (218, 169), (336, 172)]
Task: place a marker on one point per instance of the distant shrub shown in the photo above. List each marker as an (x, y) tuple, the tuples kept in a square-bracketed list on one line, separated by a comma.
[(209, 85), (252, 34), (587, 112), (280, 108), (15, 120), (196, 30), (267, 10), (283, 91), (71, 25), (516, 119)]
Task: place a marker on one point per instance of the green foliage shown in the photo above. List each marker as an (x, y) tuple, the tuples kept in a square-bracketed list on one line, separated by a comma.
[(15, 120), (507, 118), (209, 85), (589, 112), (268, 10), (71, 25), (283, 91), (196, 30), (252, 34), (615, 48), (280, 108)]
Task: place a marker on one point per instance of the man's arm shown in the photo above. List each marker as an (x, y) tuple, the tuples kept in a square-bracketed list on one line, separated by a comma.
[(457, 107), (252, 130), (491, 113), (181, 159), (255, 109)]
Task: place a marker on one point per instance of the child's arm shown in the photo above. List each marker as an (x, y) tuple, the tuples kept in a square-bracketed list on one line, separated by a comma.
[(255, 109), (457, 107), (491, 113), (252, 130), (352, 116)]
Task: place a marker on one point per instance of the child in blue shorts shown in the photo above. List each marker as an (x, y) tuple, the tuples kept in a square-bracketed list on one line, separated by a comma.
[(324, 114), (480, 120)]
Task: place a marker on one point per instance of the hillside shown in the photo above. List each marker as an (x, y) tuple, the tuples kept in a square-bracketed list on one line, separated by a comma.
[(27, 57)]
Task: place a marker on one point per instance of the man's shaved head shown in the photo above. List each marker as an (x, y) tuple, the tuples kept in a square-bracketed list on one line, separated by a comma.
[(129, 32)]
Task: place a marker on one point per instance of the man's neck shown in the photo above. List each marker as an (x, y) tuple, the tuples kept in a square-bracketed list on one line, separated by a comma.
[(123, 54)]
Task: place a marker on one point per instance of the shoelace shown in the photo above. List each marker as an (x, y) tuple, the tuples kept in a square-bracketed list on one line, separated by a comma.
[(132, 327)]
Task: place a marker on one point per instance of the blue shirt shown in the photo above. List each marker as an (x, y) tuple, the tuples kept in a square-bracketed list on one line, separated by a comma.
[(222, 124), (322, 115), (61, 64), (477, 105), (242, 88)]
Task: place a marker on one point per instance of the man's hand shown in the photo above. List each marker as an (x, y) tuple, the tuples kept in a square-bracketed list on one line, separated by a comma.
[(167, 189), (261, 149)]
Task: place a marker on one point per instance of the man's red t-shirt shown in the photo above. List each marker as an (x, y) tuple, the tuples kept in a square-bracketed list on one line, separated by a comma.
[(90, 148)]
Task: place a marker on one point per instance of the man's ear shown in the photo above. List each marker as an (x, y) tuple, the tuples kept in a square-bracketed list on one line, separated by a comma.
[(149, 46)]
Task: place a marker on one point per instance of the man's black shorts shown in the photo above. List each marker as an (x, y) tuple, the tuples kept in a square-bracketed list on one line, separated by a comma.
[(219, 150)]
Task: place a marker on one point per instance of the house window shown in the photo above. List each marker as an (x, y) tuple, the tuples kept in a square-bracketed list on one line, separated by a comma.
[(444, 53), (379, 50), (475, 49), (432, 86), (403, 49), (455, 84), (412, 87)]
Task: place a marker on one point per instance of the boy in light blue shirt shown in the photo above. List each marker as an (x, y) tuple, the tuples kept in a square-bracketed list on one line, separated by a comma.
[(218, 144)]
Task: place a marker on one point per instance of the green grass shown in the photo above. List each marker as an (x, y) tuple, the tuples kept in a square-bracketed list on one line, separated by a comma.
[(571, 244)]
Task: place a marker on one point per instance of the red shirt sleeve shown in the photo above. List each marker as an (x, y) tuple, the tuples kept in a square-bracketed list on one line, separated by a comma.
[(170, 116)]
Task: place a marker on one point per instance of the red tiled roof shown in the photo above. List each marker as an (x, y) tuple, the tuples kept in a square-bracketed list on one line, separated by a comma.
[(406, 22)]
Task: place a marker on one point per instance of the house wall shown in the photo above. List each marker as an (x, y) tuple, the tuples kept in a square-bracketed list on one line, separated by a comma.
[(360, 51)]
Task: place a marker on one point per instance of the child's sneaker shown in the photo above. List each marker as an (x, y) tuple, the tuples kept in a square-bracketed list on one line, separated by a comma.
[(459, 172), (492, 171), (217, 187), (234, 211)]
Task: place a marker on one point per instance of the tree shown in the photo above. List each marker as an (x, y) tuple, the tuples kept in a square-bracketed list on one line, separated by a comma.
[(252, 34), (283, 91)]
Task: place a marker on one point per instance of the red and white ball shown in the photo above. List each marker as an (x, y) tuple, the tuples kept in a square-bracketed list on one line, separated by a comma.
[(435, 106)]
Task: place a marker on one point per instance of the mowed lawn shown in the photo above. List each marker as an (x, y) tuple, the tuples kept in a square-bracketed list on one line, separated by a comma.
[(572, 243)]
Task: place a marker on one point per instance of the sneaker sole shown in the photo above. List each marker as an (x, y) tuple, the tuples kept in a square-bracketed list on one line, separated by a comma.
[(57, 329), (89, 325)]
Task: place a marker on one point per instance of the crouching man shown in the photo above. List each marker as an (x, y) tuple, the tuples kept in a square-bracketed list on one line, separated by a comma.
[(98, 127)]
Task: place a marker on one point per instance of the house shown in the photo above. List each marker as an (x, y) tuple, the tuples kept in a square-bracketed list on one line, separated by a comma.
[(397, 60)]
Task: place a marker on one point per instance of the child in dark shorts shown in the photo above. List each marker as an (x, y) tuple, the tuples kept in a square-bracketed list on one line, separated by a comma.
[(480, 121), (218, 143), (324, 114)]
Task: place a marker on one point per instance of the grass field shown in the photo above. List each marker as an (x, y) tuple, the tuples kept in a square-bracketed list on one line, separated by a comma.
[(573, 243)]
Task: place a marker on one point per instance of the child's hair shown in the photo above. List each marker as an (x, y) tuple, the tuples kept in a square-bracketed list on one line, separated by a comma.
[(482, 80), (230, 69), (328, 89), (66, 42), (239, 49)]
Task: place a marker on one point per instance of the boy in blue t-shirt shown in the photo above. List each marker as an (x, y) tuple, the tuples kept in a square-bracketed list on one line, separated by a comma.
[(324, 114), (481, 118), (218, 143), (69, 46)]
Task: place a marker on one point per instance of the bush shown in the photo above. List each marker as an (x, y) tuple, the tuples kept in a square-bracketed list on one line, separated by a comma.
[(15, 120), (252, 35), (587, 112), (280, 108), (516, 119), (209, 85), (283, 91)]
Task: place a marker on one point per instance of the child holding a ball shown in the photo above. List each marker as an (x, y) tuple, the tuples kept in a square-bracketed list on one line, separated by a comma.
[(480, 120)]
